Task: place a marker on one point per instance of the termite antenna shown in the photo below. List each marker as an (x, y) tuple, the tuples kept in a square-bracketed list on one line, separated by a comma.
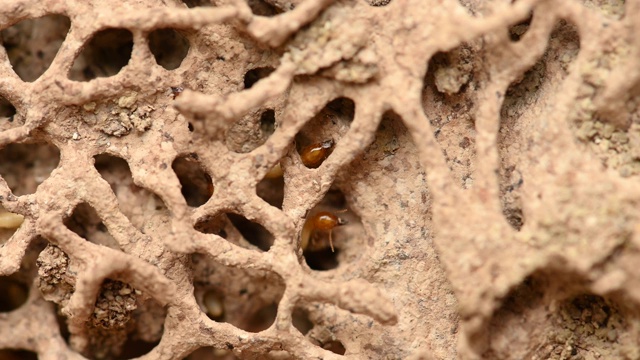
[(331, 241)]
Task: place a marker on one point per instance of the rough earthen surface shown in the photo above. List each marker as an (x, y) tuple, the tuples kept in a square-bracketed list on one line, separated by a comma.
[(487, 161)]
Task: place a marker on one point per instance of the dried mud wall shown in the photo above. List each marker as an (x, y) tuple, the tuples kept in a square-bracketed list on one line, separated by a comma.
[(486, 155)]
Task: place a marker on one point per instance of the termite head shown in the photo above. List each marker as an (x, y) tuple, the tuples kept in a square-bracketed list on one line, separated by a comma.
[(321, 221)]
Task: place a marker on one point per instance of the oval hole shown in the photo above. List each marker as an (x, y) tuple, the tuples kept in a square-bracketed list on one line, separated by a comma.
[(32, 44), (7, 114), (169, 47), (104, 55), (197, 186), (254, 75)]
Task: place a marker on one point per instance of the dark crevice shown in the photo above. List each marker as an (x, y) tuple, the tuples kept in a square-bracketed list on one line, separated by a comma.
[(197, 3), (238, 230), (7, 110), (11, 354), (25, 166), (32, 44), (169, 47), (253, 232), (517, 31), (197, 186), (254, 75), (300, 320), (104, 55), (262, 8), (14, 293), (334, 346)]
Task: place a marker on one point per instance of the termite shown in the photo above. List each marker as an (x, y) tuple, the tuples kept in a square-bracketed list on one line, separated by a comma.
[(321, 221), (313, 155), (10, 220), (213, 304), (275, 172)]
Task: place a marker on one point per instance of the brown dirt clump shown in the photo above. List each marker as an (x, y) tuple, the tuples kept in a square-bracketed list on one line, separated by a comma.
[(485, 157)]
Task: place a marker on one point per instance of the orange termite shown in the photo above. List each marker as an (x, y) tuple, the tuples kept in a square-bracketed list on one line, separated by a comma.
[(313, 155), (321, 221)]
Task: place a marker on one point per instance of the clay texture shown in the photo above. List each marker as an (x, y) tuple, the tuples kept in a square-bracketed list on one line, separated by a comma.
[(486, 161)]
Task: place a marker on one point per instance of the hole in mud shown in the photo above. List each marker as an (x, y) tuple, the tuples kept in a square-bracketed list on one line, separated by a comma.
[(238, 230), (106, 53), (169, 47), (253, 232), (254, 75), (8, 118), (247, 298), (135, 348), (7, 110), (143, 208), (331, 222), (317, 139), (549, 313), (517, 31), (10, 354), (14, 293), (211, 353), (122, 325), (197, 186), (32, 44), (251, 131), (218, 225), (14, 288), (300, 320), (262, 8), (197, 3), (85, 222), (26, 166), (268, 122), (335, 347)]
